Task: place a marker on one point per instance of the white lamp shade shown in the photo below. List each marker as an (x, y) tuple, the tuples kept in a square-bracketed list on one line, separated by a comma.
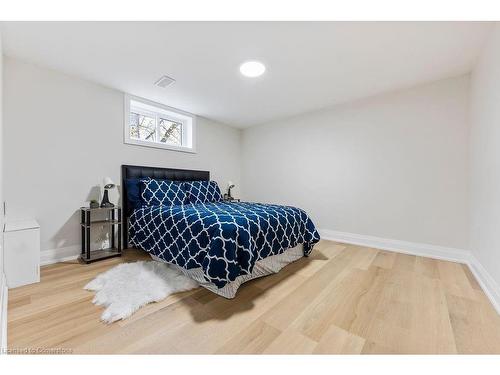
[(108, 183)]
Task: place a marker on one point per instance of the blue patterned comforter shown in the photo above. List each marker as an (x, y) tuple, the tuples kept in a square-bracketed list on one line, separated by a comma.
[(224, 239)]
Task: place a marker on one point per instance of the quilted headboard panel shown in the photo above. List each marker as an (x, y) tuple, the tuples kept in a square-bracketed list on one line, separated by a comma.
[(137, 171)]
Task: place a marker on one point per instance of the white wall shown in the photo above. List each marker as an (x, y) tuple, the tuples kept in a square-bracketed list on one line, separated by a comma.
[(391, 166), (485, 157), (1, 167), (3, 286), (64, 134)]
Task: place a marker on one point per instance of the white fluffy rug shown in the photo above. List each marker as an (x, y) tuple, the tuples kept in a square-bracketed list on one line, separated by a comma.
[(127, 287)]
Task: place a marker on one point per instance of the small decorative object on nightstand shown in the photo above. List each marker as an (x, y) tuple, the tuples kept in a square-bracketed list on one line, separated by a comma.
[(107, 216), (228, 197)]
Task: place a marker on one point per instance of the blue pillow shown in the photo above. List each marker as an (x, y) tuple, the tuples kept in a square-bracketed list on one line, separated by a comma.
[(162, 192), (134, 192), (202, 191)]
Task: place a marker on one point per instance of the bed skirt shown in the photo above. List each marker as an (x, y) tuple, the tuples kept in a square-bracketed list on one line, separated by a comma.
[(263, 267)]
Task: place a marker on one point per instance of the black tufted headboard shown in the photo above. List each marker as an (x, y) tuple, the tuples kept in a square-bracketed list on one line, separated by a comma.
[(137, 171)]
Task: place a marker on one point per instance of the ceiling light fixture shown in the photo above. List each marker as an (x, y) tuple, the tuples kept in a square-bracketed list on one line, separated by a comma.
[(252, 69)]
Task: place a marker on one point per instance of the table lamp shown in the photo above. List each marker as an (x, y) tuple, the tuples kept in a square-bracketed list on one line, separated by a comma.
[(108, 184), (230, 185)]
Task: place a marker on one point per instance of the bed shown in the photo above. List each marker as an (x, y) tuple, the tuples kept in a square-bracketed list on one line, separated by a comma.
[(219, 244)]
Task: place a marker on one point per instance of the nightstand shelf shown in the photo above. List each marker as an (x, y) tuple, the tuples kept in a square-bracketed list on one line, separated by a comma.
[(96, 255), (113, 218), (102, 222)]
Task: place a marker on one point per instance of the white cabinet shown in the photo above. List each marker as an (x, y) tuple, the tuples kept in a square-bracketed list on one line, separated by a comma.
[(22, 252)]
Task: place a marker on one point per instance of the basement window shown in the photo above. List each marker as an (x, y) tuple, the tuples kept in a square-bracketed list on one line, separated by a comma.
[(156, 125)]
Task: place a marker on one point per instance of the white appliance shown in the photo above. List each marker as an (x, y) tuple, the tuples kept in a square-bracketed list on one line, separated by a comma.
[(22, 252)]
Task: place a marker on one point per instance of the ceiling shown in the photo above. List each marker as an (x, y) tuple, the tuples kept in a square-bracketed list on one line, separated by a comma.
[(310, 65)]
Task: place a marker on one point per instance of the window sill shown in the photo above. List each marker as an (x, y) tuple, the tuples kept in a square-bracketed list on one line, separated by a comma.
[(134, 142)]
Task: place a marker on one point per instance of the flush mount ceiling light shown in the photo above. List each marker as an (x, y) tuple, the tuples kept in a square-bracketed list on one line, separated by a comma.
[(252, 69)]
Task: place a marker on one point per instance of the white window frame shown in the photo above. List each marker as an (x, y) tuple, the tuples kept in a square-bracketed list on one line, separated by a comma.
[(157, 110)]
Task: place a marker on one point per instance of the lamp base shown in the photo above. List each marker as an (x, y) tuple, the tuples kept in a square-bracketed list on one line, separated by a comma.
[(105, 200)]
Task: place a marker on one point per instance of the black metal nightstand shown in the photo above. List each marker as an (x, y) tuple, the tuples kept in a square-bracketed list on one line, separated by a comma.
[(106, 216)]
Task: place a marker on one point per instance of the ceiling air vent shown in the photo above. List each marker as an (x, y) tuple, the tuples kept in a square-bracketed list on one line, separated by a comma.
[(164, 81)]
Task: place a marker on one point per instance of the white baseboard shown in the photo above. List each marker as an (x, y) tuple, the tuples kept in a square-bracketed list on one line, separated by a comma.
[(4, 293), (61, 254), (488, 284), (405, 247)]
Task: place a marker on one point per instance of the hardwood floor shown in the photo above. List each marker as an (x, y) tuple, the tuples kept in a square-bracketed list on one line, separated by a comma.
[(342, 299)]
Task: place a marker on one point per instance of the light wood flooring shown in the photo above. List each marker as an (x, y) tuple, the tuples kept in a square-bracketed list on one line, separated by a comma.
[(342, 299)]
